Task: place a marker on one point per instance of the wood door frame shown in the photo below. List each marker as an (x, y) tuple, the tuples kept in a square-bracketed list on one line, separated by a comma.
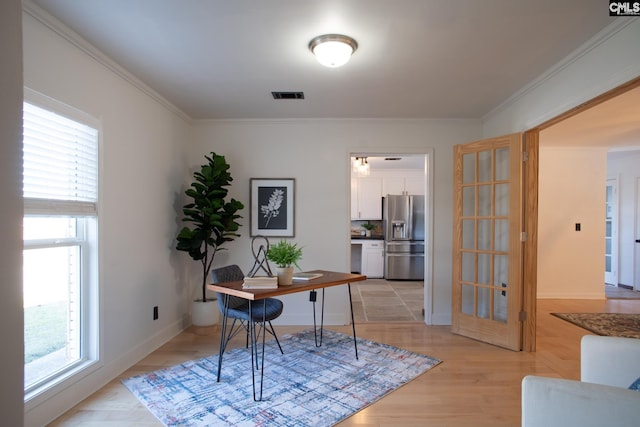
[(530, 200), (636, 246)]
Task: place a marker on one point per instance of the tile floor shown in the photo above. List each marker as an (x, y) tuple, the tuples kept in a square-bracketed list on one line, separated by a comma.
[(379, 300)]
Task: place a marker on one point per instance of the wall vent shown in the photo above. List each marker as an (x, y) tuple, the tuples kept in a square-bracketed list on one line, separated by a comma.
[(288, 95)]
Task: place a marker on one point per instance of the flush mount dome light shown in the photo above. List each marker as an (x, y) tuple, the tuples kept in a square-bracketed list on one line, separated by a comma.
[(333, 50)]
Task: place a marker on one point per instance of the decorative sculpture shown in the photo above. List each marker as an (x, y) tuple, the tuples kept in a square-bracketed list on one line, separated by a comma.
[(260, 256)]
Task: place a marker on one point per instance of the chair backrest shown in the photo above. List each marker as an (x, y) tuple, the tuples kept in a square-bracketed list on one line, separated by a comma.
[(229, 273)]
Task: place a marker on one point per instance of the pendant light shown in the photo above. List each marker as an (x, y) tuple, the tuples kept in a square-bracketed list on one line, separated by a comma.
[(361, 166)]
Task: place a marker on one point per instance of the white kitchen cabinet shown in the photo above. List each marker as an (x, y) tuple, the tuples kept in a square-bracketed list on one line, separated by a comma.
[(410, 182), (366, 198), (414, 185), (393, 185), (373, 258)]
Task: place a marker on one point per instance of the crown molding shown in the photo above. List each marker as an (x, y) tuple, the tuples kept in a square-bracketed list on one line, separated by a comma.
[(621, 77), (87, 48)]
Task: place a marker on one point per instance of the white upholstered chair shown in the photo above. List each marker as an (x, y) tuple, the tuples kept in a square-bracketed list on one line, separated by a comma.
[(608, 366)]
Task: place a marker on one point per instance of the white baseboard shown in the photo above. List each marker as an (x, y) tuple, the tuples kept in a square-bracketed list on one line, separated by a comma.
[(572, 295), (59, 399), (441, 319)]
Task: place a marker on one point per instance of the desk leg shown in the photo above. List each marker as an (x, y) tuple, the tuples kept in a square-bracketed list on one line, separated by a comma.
[(254, 351), (315, 327), (353, 322), (223, 333)]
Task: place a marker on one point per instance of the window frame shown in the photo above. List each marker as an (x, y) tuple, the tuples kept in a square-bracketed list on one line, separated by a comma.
[(87, 227)]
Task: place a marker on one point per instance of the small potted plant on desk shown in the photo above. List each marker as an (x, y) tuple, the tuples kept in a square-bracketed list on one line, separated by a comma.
[(285, 255), (369, 227)]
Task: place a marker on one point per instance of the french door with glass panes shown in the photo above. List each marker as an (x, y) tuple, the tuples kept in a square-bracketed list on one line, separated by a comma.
[(487, 247)]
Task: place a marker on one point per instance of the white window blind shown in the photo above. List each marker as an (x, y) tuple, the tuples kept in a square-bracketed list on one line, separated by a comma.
[(60, 164)]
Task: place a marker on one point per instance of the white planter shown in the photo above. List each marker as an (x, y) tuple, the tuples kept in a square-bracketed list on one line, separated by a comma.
[(204, 313), (285, 276)]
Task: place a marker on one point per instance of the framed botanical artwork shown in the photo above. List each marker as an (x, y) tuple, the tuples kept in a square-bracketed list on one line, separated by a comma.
[(272, 207)]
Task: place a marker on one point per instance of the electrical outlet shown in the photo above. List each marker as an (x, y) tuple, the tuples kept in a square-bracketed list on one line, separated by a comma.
[(155, 313)]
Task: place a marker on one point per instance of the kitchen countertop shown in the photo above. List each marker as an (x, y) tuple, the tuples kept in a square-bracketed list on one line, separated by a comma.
[(359, 237)]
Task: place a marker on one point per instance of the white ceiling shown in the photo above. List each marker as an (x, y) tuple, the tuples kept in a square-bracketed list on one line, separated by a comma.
[(416, 58)]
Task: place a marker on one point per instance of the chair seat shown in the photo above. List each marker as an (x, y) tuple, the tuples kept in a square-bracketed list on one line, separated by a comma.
[(273, 310)]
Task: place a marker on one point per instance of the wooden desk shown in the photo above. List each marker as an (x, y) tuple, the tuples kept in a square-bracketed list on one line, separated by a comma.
[(328, 279)]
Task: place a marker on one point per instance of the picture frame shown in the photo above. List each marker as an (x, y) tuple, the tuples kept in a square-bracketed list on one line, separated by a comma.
[(272, 208)]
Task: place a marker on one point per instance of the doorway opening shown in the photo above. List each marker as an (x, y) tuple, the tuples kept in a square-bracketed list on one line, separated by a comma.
[(398, 286), (611, 233)]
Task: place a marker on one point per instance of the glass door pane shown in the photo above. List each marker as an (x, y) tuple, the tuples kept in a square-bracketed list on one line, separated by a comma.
[(491, 244)]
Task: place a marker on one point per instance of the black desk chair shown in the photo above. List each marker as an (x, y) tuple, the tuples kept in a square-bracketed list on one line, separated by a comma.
[(262, 311)]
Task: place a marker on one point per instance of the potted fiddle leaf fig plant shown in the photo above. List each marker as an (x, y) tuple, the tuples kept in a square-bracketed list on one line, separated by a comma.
[(285, 255), (212, 221)]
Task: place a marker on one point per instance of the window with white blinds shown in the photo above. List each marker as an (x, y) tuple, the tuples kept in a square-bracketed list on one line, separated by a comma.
[(60, 164), (60, 235)]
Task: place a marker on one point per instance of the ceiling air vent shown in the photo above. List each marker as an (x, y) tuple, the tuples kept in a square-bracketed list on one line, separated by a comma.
[(393, 158), (288, 95)]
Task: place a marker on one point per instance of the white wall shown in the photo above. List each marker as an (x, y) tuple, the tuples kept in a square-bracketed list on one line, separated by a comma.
[(11, 318), (626, 166), (572, 190), (605, 62), (142, 166), (316, 154)]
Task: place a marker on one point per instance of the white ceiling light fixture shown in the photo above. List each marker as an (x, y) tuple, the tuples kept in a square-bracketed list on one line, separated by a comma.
[(333, 50)]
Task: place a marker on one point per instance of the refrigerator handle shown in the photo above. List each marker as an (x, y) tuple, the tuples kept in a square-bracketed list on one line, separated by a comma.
[(410, 219), (385, 233)]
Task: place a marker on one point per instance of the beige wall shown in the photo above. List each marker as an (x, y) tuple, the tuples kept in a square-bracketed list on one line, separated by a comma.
[(572, 190)]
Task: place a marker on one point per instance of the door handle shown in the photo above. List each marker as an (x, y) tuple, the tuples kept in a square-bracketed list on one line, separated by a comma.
[(637, 240)]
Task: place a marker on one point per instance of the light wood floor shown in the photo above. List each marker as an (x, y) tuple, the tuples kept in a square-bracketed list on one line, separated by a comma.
[(477, 384)]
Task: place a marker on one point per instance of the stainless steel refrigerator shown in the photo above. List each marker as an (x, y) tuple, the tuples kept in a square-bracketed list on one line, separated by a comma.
[(403, 222)]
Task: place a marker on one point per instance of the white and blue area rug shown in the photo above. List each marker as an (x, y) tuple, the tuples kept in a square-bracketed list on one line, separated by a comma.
[(307, 386)]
